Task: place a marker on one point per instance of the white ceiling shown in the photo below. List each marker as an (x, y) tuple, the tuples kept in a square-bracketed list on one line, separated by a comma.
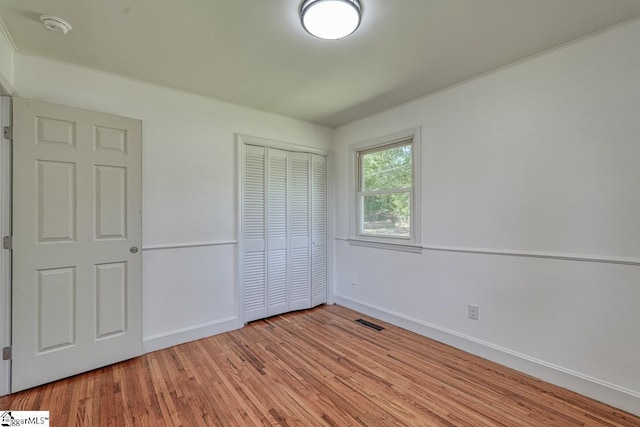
[(255, 52)]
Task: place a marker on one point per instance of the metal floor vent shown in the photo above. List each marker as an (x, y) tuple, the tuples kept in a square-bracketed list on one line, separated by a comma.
[(370, 325)]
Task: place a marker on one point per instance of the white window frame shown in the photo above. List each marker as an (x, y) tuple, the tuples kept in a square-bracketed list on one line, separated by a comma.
[(411, 243)]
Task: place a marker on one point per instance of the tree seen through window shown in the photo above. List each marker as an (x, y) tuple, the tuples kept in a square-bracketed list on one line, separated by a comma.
[(386, 182)]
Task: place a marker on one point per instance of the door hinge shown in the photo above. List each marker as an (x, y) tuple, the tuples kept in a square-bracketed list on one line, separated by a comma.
[(7, 242), (7, 132), (6, 353)]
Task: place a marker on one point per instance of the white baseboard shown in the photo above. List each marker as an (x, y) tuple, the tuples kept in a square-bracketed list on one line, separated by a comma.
[(181, 336), (612, 394)]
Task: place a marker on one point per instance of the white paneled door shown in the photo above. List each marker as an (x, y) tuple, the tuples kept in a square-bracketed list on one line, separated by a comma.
[(77, 294), (284, 227)]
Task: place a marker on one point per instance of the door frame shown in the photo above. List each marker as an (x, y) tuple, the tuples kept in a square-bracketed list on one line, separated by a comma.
[(5, 255), (241, 141)]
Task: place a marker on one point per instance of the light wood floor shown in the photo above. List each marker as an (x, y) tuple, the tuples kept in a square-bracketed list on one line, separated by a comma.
[(309, 368)]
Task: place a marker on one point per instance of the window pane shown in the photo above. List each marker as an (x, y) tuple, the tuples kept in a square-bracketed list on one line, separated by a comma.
[(386, 215), (387, 169)]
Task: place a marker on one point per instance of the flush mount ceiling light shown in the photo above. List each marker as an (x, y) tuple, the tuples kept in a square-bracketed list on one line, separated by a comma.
[(54, 23), (330, 19)]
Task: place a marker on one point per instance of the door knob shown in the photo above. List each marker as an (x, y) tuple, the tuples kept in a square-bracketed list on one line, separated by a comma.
[(134, 249)]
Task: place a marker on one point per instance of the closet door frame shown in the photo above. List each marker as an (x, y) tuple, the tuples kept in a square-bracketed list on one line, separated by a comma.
[(242, 140)]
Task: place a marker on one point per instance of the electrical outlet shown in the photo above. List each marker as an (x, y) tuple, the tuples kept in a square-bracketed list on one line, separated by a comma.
[(473, 312), (354, 279)]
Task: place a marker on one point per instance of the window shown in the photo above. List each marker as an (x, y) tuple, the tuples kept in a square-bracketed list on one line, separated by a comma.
[(386, 195)]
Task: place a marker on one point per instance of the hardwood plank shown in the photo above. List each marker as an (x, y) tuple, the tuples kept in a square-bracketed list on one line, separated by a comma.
[(316, 367)]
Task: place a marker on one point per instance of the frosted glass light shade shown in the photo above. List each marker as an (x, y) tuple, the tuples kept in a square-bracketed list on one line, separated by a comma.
[(330, 19)]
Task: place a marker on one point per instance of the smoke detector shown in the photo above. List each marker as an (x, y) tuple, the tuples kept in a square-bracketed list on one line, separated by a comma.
[(54, 23)]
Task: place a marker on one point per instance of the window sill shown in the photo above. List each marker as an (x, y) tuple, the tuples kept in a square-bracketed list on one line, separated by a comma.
[(401, 247)]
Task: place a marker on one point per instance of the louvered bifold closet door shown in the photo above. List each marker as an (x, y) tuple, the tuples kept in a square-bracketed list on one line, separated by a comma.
[(254, 226), (318, 229), (284, 226), (277, 220), (299, 231)]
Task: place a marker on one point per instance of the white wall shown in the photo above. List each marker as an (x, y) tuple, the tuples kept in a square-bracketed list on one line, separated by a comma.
[(531, 210), (188, 181), (7, 49)]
